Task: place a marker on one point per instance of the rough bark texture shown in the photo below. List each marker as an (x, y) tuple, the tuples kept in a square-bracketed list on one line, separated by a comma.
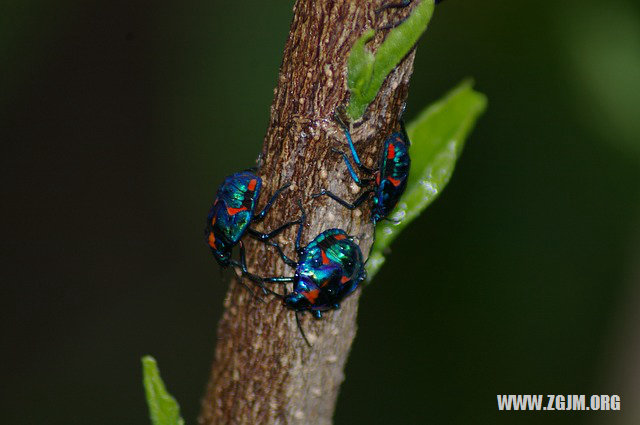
[(263, 372)]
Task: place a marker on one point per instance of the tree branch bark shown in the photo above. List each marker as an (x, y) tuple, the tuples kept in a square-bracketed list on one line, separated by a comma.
[(263, 372)]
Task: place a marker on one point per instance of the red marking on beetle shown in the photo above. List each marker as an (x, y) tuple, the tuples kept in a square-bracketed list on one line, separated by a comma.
[(312, 296), (340, 237), (234, 211), (325, 283), (378, 178), (212, 240), (215, 202), (394, 182), (213, 221), (344, 279), (252, 184), (325, 259), (392, 151)]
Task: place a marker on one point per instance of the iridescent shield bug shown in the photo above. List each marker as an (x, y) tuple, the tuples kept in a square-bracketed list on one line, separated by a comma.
[(389, 180), (233, 211), (328, 269)]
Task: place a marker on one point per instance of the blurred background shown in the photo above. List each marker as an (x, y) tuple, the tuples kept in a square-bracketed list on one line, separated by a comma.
[(118, 119)]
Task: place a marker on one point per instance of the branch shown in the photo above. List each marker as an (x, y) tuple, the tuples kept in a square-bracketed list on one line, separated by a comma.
[(263, 372)]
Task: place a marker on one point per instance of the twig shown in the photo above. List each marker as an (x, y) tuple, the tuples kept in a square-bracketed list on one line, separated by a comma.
[(263, 372)]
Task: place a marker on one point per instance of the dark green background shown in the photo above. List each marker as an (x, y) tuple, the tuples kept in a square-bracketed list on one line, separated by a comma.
[(120, 118)]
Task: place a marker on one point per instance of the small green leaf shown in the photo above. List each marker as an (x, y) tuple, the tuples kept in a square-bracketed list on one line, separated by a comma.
[(163, 408), (437, 138), (367, 72), (360, 66)]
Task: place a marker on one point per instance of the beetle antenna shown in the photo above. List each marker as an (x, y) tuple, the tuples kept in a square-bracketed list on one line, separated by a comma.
[(302, 330)]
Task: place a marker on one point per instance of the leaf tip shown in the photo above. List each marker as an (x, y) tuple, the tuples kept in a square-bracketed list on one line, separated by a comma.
[(163, 408), (468, 84), (148, 361)]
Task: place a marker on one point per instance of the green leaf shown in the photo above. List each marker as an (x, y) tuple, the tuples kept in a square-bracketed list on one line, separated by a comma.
[(163, 408), (437, 138), (367, 72)]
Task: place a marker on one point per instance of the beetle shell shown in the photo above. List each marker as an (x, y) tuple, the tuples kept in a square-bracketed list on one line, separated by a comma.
[(231, 213), (330, 268), (391, 179)]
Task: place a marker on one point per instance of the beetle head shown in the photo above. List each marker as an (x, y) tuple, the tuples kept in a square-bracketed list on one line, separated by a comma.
[(222, 254), (297, 302)]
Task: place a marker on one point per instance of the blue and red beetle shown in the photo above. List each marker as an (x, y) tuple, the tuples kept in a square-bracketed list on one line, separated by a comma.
[(390, 178), (328, 269), (233, 211)]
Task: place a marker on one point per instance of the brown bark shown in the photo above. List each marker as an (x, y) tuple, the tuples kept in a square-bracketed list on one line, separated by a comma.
[(263, 372)]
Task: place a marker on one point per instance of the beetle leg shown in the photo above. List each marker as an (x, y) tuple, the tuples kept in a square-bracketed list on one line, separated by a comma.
[(360, 182), (276, 279), (341, 201), (281, 279), (260, 216), (391, 5), (352, 148), (288, 261), (241, 282), (399, 5), (402, 4), (266, 236), (347, 134), (242, 265), (262, 280), (255, 278)]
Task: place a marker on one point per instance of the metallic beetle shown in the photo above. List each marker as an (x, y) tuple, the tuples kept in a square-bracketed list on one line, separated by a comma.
[(233, 211), (390, 179)]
